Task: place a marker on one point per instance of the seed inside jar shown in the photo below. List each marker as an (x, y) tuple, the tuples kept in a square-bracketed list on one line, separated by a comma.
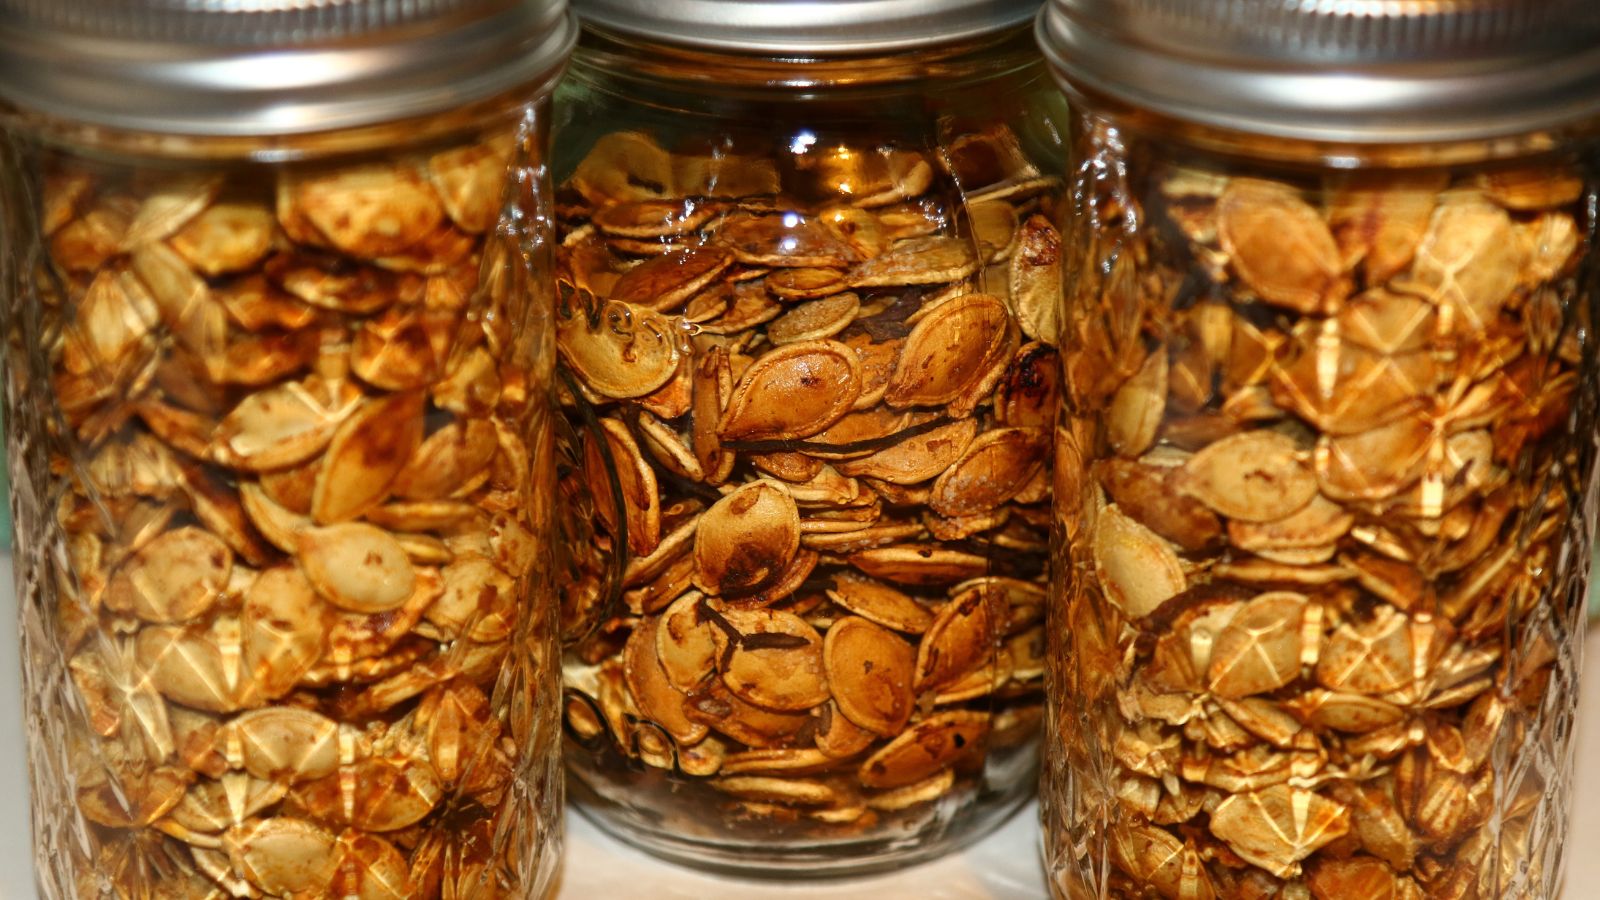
[(1321, 470), (295, 517), (838, 407)]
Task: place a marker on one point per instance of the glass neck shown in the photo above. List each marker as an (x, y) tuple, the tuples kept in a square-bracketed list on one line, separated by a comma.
[(605, 55)]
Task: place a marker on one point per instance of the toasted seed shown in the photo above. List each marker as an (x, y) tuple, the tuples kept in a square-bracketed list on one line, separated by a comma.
[(922, 750), (356, 567), (930, 260), (639, 492), (652, 218), (174, 578), (776, 790), (1277, 827), (992, 470), (918, 564), (792, 392), (1138, 408), (1035, 279), (1259, 649), (1257, 476), (870, 671), (962, 637), (629, 352), (958, 351), (787, 240), (815, 320), (278, 427), (658, 698), (685, 642), (913, 794), (369, 211), (445, 461), (1136, 568), (772, 659), (281, 855), (880, 603), (668, 281), (805, 284), (915, 459), (746, 539), (1467, 263), (1279, 244), (713, 704), (369, 449)]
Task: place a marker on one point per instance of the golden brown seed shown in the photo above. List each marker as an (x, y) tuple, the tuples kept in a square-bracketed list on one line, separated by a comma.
[(917, 458), (1257, 476), (962, 637), (658, 698), (925, 748), (1278, 827), (280, 426), (366, 453), (639, 490), (369, 211), (880, 603), (1137, 569), (356, 567), (686, 642), (1035, 279), (1138, 408), (930, 260), (994, 469), (1278, 244), (174, 578), (771, 658), (954, 354), (870, 671), (792, 392), (668, 281), (746, 539), (628, 351), (1259, 649)]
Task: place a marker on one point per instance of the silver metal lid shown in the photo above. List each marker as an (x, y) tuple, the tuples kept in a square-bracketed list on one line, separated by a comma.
[(271, 67), (1366, 71), (806, 27)]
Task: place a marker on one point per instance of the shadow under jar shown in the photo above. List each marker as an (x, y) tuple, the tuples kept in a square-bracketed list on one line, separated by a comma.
[(279, 395), (807, 305), (1325, 463)]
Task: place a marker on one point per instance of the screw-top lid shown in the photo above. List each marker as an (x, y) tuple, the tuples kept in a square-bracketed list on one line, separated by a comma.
[(271, 67), (806, 27), (1369, 71)]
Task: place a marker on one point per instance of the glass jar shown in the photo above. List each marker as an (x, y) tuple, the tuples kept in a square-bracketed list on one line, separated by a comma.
[(279, 374), (1325, 474), (806, 301)]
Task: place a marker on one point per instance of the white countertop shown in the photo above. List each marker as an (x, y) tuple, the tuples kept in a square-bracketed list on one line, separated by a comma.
[(1004, 866)]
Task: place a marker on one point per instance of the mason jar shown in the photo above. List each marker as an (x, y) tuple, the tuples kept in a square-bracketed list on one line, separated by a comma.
[(807, 279), (1325, 464), (279, 366)]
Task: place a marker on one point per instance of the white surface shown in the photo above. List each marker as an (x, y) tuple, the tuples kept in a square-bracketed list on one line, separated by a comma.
[(1004, 866)]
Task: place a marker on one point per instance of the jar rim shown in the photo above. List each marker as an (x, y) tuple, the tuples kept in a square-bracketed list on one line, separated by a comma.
[(1384, 73), (208, 81)]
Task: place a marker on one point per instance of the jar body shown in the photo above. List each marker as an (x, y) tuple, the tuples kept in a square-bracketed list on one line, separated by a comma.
[(811, 329), (1325, 467), (279, 433)]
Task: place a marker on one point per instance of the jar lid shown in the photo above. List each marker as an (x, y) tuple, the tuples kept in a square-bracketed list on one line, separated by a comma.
[(271, 67), (1361, 71), (806, 27)]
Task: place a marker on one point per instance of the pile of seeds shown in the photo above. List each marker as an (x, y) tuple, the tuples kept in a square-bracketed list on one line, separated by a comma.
[(1318, 485), (289, 515), (825, 383)]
